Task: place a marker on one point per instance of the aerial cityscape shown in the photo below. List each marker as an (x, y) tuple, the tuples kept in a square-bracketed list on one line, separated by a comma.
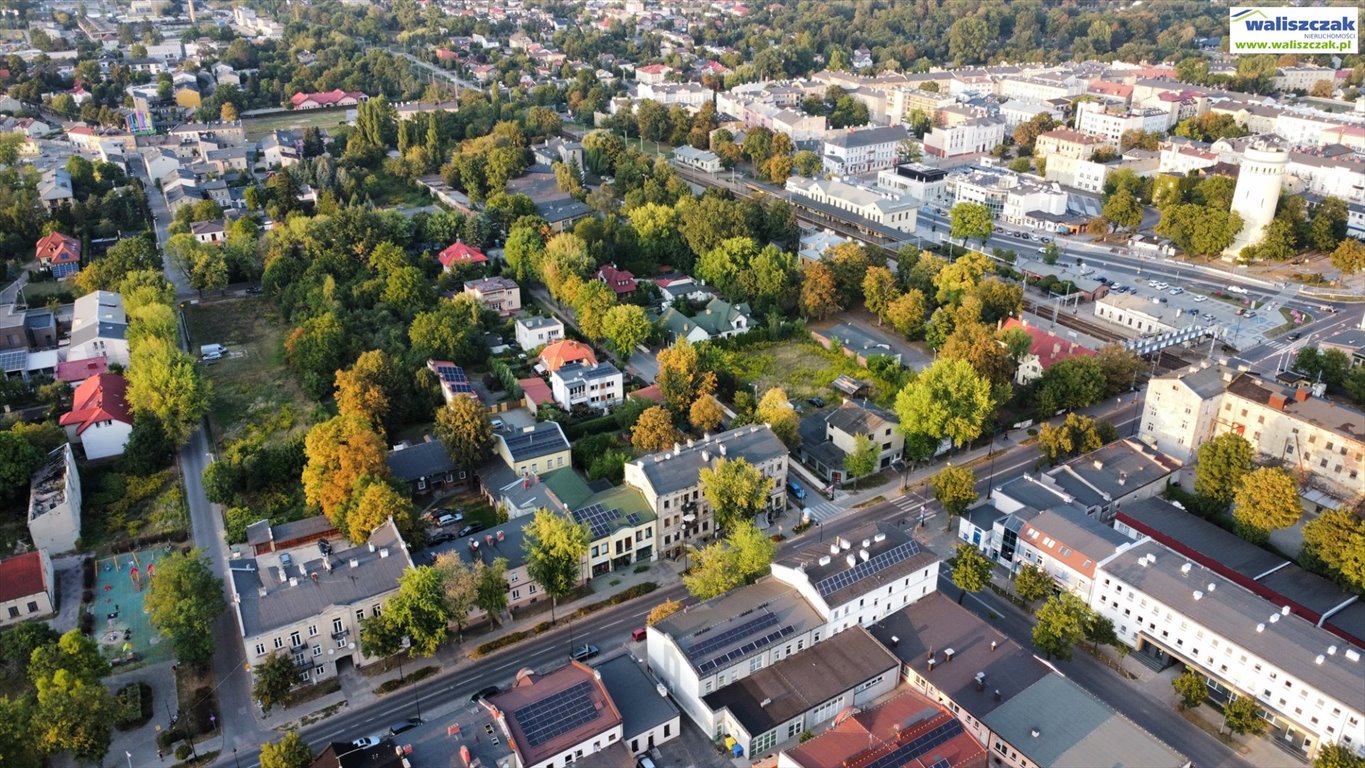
[(673, 384)]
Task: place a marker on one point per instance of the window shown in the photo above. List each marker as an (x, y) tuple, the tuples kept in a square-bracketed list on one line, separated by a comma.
[(317, 650), (312, 630), (260, 649), (294, 641), (336, 626), (279, 643), (32, 607)]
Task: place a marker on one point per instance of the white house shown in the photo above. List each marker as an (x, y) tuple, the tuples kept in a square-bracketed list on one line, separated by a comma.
[(27, 590), (99, 328), (1180, 409), (975, 136), (99, 417), (600, 386), (864, 150), (536, 331), (54, 505)]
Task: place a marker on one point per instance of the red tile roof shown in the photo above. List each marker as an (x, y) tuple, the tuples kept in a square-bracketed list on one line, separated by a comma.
[(860, 738), (57, 248), (80, 370), (536, 390), (99, 398), (594, 712), (459, 253), (21, 576), (652, 69), (561, 353), (325, 99), (621, 281), (1050, 348)]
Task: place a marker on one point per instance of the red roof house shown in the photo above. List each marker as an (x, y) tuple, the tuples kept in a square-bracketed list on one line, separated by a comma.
[(621, 281), (59, 253), (25, 587), (99, 417), (74, 372), (1047, 350), (335, 98), (561, 353), (459, 253)]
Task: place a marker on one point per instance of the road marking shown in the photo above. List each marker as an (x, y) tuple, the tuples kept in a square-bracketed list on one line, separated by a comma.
[(614, 623)]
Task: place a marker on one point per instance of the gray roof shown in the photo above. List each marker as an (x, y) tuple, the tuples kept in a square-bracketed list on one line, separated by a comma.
[(1080, 532), (1348, 622), (1057, 723), (935, 623), (100, 330), (421, 460), (892, 554), (571, 372), (374, 573), (1291, 642), (1205, 382), (670, 471), (1205, 541), (691, 628), (1031, 493), (1115, 470), (799, 683), (865, 137), (485, 545), (983, 515), (537, 321), (544, 439), (635, 695), (860, 417)]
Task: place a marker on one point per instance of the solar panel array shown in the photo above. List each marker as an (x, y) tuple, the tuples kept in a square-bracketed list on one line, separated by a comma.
[(557, 714), (633, 518), (454, 379), (13, 359), (599, 519), (712, 644), (903, 754), (725, 659), (873, 565)]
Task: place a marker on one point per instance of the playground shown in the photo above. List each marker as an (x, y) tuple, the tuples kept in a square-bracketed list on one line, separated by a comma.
[(124, 633)]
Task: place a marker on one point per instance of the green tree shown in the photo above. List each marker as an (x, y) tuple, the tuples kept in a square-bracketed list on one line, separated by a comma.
[(73, 652), (555, 548), (316, 350), (19, 459), (626, 326), (463, 426), (807, 163), (460, 582), (961, 277), (1077, 434), (1220, 466), (1349, 256), (73, 715), (419, 610), (741, 557), (291, 751), (971, 221), (374, 502), (183, 602), (775, 410), (164, 382), (1061, 625), (1243, 716), (369, 388), (1069, 385), (18, 642), (1032, 584), (736, 491), (680, 376), (490, 588), (1123, 209), (1337, 756), (906, 313), (968, 39), (273, 679), (407, 291), (1328, 224), (862, 460), (947, 400), (1120, 366), (1335, 539), (591, 301), (1267, 499), (879, 291), (1191, 689), (16, 736), (955, 489), (971, 570)]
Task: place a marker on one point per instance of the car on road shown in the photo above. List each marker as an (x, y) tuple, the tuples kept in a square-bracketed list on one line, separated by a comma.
[(1249, 315), (795, 489), (471, 528), (1198, 299), (584, 652), (1295, 336), (1161, 286), (483, 693), (1176, 291), (440, 538), (367, 741), (1151, 283), (1236, 289), (404, 725)]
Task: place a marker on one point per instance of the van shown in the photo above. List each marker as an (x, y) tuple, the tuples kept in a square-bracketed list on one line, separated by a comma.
[(404, 725), (796, 490), (212, 350)]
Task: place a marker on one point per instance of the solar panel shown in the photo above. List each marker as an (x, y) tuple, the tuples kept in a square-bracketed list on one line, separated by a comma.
[(633, 518), (866, 568), (903, 754), (13, 360), (599, 519), (942, 762), (763, 642), (453, 378), (712, 644), (557, 714)]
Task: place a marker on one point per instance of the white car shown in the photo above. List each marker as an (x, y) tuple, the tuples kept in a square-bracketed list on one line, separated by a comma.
[(1151, 283), (1162, 286), (1236, 289), (1176, 291), (367, 741), (1198, 299)]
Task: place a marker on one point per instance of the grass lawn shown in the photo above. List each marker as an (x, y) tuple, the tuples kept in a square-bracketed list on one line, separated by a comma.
[(256, 127), (387, 190), (251, 384), (121, 507), (37, 294), (1289, 323), (802, 368)]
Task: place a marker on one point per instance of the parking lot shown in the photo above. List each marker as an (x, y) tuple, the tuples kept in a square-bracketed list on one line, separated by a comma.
[(1240, 322)]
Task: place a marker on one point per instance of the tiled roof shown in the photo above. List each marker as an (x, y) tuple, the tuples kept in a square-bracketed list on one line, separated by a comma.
[(56, 248), (99, 398), (21, 576), (561, 353), (459, 253)]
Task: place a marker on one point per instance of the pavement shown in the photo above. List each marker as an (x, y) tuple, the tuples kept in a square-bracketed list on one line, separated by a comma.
[(66, 571)]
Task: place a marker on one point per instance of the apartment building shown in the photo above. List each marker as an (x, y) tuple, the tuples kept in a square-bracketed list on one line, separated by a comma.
[(54, 505), (1180, 408), (1112, 122), (863, 150), (916, 181), (497, 293), (1010, 196), (974, 136), (599, 386)]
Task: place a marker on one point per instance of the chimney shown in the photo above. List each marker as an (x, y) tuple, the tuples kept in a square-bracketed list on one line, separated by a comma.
[(502, 536), (851, 560), (1278, 400), (722, 449), (1056, 348), (293, 581), (948, 654), (705, 456), (383, 553), (372, 547), (931, 665), (261, 591), (1035, 733), (1098, 463), (353, 562), (895, 641), (863, 554), (1301, 394), (993, 646), (488, 539), (314, 577), (1185, 569), (327, 563), (1123, 478), (980, 681), (302, 570)]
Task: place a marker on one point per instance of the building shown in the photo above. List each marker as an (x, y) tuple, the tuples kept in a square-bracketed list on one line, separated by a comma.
[(1066, 157), (836, 433), (263, 537), (1305, 679), (345, 754), (1010, 196), (907, 730), (1180, 409), (671, 481), (497, 293), (1111, 122), (701, 159), (648, 718), (718, 320), (99, 417), (73, 372), (800, 693), (310, 602), (54, 504), (27, 590), (673, 288), (558, 718), (621, 281), (537, 449), (1259, 179), (1046, 350), (99, 328), (652, 74), (876, 205), (561, 353), (916, 181), (506, 542), (536, 331), (209, 231), (1141, 316), (333, 98), (863, 150), (454, 382), (54, 188), (600, 386), (425, 467), (977, 135), (61, 254), (459, 254), (1067, 545)]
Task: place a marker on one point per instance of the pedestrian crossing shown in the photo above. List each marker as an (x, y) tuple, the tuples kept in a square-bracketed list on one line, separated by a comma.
[(825, 511)]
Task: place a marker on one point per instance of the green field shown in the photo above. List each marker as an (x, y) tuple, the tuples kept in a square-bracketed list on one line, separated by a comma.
[(256, 127)]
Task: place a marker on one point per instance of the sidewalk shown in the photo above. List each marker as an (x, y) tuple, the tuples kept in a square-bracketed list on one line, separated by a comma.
[(357, 689)]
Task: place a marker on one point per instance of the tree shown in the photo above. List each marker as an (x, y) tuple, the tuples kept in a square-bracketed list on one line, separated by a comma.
[(73, 652), (16, 738), (591, 301), (1049, 253), (1120, 367), (273, 679), (419, 610), (1069, 385), (654, 431), (705, 413), (1077, 434), (164, 382), (626, 326), (465, 430), (1220, 466), (819, 291), (971, 570), (862, 460), (1243, 715), (1337, 756), (955, 489), (374, 502), (744, 555), (906, 313), (73, 715), (1123, 209), (1349, 256), (316, 350), (460, 584), (1267, 499), (662, 611), (19, 459), (18, 642), (1061, 625), (183, 601), (340, 451), (968, 221), (775, 410), (369, 388), (736, 491), (879, 290), (291, 751), (490, 588), (956, 280), (680, 377), (555, 547), (1191, 688), (1335, 539), (968, 39), (947, 400), (1032, 584), (1328, 224), (807, 163)]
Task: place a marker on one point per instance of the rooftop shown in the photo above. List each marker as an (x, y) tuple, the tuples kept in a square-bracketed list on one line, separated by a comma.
[(723, 631), (860, 417), (1114, 470), (100, 398), (47, 490), (798, 683), (635, 695), (411, 462), (908, 731), (1325, 414), (543, 439), (565, 351), (866, 137), (21, 576), (548, 714), (866, 559), (1079, 540), (675, 470), (1049, 347)]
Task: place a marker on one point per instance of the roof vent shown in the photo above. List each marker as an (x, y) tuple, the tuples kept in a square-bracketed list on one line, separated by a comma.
[(867, 543), (705, 456), (1320, 659), (824, 560), (353, 562), (722, 449), (895, 641), (834, 547), (1284, 610), (993, 644), (1353, 654), (1185, 569), (1331, 650), (948, 654), (1212, 586), (383, 553), (845, 544), (997, 694), (932, 662), (1198, 595), (677, 449), (864, 555), (851, 560), (261, 591), (1274, 617), (1260, 627), (879, 538), (372, 547), (1142, 561), (1035, 733), (314, 577), (502, 536), (662, 690), (980, 681), (765, 702), (293, 581)]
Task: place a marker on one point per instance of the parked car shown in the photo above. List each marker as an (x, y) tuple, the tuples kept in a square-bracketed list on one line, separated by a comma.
[(1198, 299), (498, 425), (445, 520), (468, 529), (367, 741), (795, 489), (483, 693), (818, 402), (404, 725), (440, 538), (638, 634), (1176, 291), (584, 652)]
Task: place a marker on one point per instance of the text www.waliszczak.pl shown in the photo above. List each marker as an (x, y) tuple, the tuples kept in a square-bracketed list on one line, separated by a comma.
[(1294, 45)]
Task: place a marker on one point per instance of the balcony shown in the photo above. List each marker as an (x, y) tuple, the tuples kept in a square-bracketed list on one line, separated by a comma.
[(339, 635)]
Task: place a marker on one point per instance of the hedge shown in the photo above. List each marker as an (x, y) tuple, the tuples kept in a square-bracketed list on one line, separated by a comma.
[(512, 638), (389, 686)]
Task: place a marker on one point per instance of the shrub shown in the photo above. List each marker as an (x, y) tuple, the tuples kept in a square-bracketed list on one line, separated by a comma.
[(499, 643), (389, 686), (132, 706)]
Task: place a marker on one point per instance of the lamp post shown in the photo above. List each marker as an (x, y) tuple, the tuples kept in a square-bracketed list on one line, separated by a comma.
[(235, 761)]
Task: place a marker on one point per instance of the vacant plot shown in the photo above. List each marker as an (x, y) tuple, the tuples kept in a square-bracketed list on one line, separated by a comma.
[(251, 384), (327, 119), (801, 368)]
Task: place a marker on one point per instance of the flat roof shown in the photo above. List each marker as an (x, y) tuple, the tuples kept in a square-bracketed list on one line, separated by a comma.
[(891, 554), (715, 634), (636, 696), (1115, 469), (1203, 540)]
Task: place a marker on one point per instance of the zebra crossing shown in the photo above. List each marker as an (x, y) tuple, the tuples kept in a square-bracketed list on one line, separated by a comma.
[(825, 511)]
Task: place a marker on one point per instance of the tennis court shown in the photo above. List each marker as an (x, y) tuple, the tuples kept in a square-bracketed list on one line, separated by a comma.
[(124, 633)]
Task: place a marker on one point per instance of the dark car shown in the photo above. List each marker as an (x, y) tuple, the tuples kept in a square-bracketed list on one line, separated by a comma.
[(471, 528), (404, 725), (483, 693), (818, 402), (584, 652), (254, 290), (1294, 336), (440, 538)]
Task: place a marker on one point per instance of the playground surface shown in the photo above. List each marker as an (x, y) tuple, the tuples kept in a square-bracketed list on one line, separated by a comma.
[(122, 628)]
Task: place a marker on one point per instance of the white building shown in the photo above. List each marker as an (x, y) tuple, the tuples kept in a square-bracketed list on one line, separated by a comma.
[(599, 387), (1017, 111), (497, 293), (100, 419), (978, 135), (27, 590), (876, 205), (557, 718), (1138, 315), (99, 328), (701, 159), (537, 331), (1180, 409), (916, 181), (864, 150), (54, 505), (1041, 88), (1095, 118), (1257, 193), (1010, 196)]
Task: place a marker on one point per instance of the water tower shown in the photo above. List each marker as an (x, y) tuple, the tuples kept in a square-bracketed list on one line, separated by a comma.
[(1258, 190)]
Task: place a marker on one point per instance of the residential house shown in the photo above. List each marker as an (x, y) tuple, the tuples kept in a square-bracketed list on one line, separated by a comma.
[(621, 528), (599, 386), (61, 254), (425, 466), (541, 448), (1067, 545), (100, 418), (701, 159), (333, 98), (310, 602), (975, 136), (497, 293), (1046, 350), (652, 74), (454, 382), (99, 328), (673, 288), (281, 149), (621, 281), (54, 504), (263, 537), (460, 254), (671, 481), (864, 150), (27, 590), (535, 331), (719, 319), (1180, 409), (209, 231), (558, 718), (73, 372), (1112, 121), (647, 719), (561, 353), (506, 542), (860, 418), (54, 188)]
